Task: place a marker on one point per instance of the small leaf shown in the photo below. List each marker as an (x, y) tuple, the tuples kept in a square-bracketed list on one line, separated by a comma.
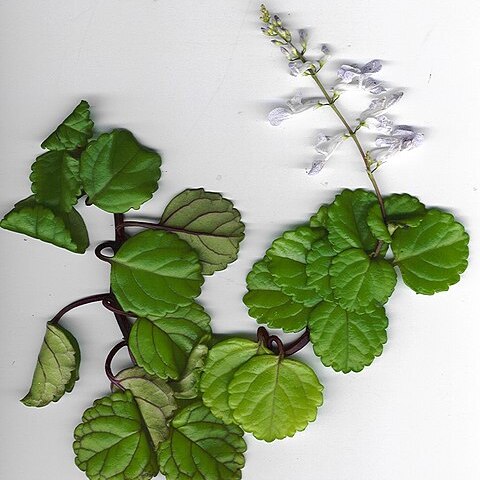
[(118, 173), (66, 230), (56, 180), (154, 273), (268, 304), (347, 341), (432, 255), (57, 367), (202, 447), (377, 225), (320, 218), (274, 398), (113, 442), (318, 265), (288, 258), (73, 132), (162, 345), (404, 210), (347, 221), (358, 281), (154, 398), (222, 362), (187, 387), (209, 223)]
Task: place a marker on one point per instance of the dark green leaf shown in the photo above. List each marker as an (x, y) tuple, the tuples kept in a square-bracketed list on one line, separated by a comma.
[(202, 447), (319, 219), (432, 255), (113, 442), (73, 132), (403, 209), (318, 264), (377, 225), (118, 173), (209, 223)]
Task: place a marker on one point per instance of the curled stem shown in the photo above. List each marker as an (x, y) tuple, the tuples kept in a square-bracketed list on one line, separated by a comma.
[(273, 342), (99, 297), (108, 364)]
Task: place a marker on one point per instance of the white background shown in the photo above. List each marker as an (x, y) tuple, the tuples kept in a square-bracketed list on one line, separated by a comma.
[(195, 81)]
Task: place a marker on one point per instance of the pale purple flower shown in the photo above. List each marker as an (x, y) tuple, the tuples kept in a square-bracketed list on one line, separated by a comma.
[(380, 104), (298, 67), (325, 146), (401, 138), (293, 106), (359, 77), (381, 124)]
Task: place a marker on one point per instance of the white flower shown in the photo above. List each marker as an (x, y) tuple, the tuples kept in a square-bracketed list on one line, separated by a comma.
[(290, 52), (298, 67), (381, 124), (401, 138), (293, 106), (359, 77), (325, 146), (380, 104)]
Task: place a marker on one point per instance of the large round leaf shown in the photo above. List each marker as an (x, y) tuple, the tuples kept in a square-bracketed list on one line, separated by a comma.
[(347, 341), (360, 281), (209, 223), (222, 362), (118, 173), (273, 398), (267, 303), (162, 345), (202, 447), (154, 273), (432, 255), (113, 443)]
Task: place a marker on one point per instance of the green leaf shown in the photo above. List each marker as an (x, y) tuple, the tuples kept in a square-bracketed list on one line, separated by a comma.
[(154, 273), (162, 345), (202, 447), (431, 256), (358, 281), (347, 221), (268, 304), (377, 225), (57, 367), (113, 442), (209, 223), (318, 264), (66, 230), (222, 362), (288, 258), (273, 398), (56, 180), (154, 398), (404, 210), (73, 132), (320, 218), (187, 387), (347, 341), (118, 173)]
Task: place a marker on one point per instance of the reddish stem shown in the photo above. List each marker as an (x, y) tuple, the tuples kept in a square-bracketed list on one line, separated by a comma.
[(78, 303), (108, 364)]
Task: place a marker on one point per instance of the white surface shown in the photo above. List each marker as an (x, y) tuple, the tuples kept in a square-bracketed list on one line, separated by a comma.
[(195, 81)]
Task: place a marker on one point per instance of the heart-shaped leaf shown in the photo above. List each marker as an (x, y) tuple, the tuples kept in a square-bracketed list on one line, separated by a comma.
[(268, 304), (273, 397), (222, 362), (202, 447), (154, 273), (154, 398), (118, 173), (73, 132), (66, 230), (432, 255), (209, 223), (347, 341), (162, 345), (56, 180), (358, 281), (113, 442), (57, 367)]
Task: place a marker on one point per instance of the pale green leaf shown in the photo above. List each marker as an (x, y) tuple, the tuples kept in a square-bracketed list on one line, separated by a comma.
[(118, 173), (347, 221), (320, 218), (56, 180), (66, 230), (162, 345), (202, 447), (222, 362), (154, 273), (268, 304), (318, 264), (288, 258), (274, 398), (432, 255), (209, 223), (154, 398), (57, 367), (347, 341), (360, 281), (113, 443), (73, 132)]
